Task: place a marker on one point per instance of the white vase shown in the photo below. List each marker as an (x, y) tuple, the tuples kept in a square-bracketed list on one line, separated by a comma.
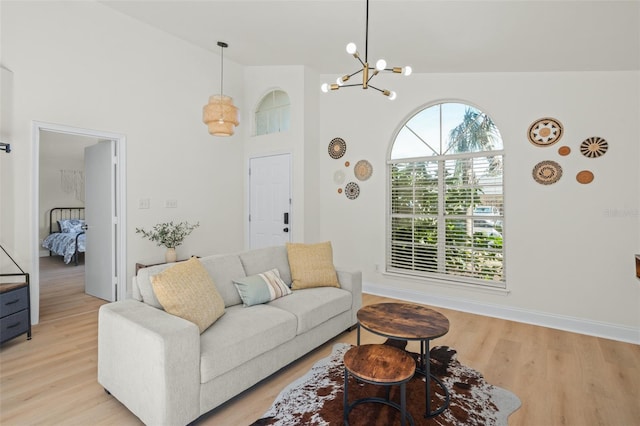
[(170, 256)]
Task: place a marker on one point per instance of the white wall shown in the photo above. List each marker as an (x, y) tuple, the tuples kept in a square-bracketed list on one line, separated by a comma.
[(569, 247), (84, 65)]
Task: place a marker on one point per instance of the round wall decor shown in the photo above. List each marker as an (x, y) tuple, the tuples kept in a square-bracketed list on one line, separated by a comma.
[(564, 150), (594, 147), (363, 170), (352, 190), (547, 172), (545, 131), (337, 148), (584, 176)]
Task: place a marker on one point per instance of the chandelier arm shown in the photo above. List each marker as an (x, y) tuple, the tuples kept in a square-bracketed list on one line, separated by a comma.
[(359, 59), (372, 75), (351, 85), (355, 73), (374, 87)]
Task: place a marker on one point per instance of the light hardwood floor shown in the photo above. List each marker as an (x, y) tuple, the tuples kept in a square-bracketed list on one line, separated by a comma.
[(562, 378)]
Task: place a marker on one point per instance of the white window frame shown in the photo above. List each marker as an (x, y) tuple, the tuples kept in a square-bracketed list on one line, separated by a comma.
[(279, 114), (414, 269)]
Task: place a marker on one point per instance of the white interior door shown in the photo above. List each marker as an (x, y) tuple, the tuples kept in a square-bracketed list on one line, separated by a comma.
[(100, 257), (270, 200)]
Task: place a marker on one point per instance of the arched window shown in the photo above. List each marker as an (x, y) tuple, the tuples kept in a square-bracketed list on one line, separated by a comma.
[(272, 114), (446, 216)]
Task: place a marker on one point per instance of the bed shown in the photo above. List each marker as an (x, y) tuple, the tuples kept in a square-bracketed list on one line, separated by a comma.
[(66, 233)]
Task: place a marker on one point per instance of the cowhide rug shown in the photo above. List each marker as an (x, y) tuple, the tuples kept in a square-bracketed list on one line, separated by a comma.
[(316, 398)]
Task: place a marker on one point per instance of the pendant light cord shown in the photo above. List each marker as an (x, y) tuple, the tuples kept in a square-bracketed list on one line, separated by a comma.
[(221, 68), (366, 36)]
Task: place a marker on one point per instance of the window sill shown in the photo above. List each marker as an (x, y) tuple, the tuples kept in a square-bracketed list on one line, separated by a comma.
[(448, 283)]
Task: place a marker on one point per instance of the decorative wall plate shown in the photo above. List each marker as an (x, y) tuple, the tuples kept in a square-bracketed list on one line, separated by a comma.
[(547, 172), (339, 190), (338, 177), (584, 176), (347, 164), (594, 147), (545, 132), (564, 150), (337, 148), (352, 190), (363, 170)]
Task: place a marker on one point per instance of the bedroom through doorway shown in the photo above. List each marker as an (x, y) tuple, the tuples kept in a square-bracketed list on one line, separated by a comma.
[(61, 286)]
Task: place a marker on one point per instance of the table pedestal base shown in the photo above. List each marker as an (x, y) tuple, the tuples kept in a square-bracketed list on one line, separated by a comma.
[(424, 368)]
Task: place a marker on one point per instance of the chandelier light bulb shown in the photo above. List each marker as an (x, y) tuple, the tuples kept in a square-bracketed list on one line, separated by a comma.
[(407, 70), (392, 95), (339, 81), (381, 64), (351, 48), (325, 87)]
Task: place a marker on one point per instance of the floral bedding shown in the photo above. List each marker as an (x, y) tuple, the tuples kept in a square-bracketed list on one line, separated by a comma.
[(64, 244)]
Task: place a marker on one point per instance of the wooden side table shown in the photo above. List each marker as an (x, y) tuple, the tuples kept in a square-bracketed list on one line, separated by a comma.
[(378, 365), (147, 265), (407, 321)]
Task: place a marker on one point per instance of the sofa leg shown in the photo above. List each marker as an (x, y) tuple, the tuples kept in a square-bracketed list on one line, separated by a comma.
[(107, 391), (353, 327)]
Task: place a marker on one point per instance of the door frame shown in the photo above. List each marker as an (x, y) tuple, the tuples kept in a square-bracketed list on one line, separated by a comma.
[(119, 197)]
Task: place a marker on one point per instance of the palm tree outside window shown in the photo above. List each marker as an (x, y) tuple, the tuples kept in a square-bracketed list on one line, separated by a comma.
[(446, 209)]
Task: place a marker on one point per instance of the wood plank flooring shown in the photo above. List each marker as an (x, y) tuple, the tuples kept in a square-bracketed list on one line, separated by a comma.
[(562, 378)]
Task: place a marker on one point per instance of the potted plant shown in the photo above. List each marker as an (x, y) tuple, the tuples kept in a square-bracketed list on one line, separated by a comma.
[(169, 235)]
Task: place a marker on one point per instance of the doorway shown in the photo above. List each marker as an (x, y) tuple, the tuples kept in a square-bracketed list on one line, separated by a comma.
[(46, 134), (270, 221)]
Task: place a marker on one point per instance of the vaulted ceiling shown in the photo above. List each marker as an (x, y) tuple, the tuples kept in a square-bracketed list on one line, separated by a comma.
[(432, 36)]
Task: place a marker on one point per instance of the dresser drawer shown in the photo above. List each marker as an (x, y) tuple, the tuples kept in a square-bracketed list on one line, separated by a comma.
[(13, 301), (14, 325)]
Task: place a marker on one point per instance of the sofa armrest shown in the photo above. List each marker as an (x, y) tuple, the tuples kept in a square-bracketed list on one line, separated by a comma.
[(150, 361), (352, 282)]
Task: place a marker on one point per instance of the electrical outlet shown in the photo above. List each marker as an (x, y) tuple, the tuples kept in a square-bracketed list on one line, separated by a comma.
[(144, 203), (171, 204)]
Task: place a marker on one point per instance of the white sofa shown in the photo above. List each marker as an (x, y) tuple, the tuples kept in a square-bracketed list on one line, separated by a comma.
[(167, 373)]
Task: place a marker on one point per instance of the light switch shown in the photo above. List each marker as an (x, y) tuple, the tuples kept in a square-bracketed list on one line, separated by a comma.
[(171, 204), (144, 203)]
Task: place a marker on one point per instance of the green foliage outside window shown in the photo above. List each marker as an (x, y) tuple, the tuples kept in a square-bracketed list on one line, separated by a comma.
[(433, 226)]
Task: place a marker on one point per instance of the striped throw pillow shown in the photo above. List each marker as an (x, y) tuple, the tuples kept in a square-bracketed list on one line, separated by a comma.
[(261, 288)]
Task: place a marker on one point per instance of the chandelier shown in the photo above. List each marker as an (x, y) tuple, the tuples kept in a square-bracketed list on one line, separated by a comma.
[(367, 72), (220, 115)]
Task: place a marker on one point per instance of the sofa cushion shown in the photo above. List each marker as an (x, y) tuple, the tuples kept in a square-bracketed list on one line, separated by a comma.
[(223, 269), (261, 288), (264, 259), (143, 282), (313, 306), (186, 290), (312, 265), (241, 335)]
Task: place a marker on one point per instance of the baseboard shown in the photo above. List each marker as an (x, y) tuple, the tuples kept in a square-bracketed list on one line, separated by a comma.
[(575, 325)]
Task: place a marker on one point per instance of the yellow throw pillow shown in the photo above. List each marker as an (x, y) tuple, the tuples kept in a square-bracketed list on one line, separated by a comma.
[(186, 290), (312, 265)]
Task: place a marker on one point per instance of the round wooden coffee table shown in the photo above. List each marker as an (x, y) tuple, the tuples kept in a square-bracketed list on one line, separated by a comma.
[(379, 365), (407, 321)]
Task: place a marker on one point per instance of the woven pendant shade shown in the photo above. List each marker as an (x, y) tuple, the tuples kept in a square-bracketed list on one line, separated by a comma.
[(220, 115)]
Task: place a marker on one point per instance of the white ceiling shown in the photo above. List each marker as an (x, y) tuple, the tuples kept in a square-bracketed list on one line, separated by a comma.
[(431, 36)]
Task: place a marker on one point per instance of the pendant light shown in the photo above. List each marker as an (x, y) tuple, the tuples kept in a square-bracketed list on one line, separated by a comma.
[(220, 115), (367, 72)]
